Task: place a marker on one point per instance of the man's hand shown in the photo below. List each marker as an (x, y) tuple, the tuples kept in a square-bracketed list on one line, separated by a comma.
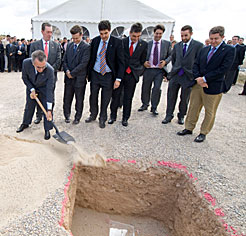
[(68, 74), (11, 54), (165, 79), (49, 116), (116, 84), (147, 64), (201, 82), (162, 64), (33, 94)]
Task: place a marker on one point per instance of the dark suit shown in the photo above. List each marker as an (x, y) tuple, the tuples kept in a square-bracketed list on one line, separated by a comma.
[(20, 58), (232, 74), (135, 62), (184, 81), (12, 58), (115, 62), (54, 59), (43, 83), (214, 72), (77, 64), (155, 75), (2, 61)]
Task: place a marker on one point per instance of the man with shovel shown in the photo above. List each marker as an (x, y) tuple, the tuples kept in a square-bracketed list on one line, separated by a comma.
[(38, 76)]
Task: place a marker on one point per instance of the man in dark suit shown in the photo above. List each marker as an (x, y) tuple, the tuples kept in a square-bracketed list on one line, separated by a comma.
[(75, 63), (21, 54), (158, 56), (232, 74), (106, 70), (209, 73), (11, 55), (52, 51), (38, 76), (135, 51), (2, 61), (184, 54)]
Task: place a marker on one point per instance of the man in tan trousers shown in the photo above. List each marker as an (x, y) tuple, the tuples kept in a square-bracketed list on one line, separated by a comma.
[(209, 79)]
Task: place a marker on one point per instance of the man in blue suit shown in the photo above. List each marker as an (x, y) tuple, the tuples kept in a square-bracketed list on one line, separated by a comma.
[(209, 73)]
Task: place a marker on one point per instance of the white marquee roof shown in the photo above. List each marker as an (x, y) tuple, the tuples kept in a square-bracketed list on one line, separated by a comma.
[(93, 11)]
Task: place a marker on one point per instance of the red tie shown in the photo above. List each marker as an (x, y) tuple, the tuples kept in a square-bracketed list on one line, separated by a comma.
[(46, 49), (128, 70)]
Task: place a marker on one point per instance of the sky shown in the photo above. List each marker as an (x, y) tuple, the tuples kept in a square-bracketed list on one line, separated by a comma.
[(15, 15)]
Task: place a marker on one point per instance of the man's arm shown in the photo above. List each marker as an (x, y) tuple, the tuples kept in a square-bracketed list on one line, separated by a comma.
[(169, 53), (120, 60), (50, 85), (57, 63), (25, 78), (32, 49)]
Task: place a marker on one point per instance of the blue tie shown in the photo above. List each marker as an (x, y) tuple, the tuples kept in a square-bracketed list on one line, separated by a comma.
[(75, 48)]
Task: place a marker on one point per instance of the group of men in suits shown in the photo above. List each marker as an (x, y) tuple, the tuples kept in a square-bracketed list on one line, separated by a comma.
[(113, 66)]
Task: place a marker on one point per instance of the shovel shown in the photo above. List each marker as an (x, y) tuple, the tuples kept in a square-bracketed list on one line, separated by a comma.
[(61, 137)]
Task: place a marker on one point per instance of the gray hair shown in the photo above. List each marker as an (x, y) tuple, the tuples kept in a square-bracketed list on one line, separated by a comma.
[(40, 55)]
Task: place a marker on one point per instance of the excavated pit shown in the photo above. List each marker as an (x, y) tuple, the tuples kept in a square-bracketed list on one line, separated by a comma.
[(155, 201)]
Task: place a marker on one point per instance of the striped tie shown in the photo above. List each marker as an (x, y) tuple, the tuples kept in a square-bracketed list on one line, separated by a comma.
[(103, 59)]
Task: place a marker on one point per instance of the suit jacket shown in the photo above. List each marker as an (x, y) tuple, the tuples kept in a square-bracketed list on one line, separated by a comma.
[(136, 61), (11, 49), (186, 62), (54, 55), (77, 63), (165, 53), (240, 52), (43, 82), (23, 50), (114, 56), (214, 71)]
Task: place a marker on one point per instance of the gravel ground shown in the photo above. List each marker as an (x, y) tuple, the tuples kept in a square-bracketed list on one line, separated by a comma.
[(218, 163)]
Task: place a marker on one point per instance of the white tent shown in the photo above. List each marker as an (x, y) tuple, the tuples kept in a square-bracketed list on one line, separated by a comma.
[(88, 13)]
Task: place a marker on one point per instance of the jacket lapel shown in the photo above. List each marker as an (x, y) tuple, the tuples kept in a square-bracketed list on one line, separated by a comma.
[(162, 49), (189, 48), (149, 48), (217, 53)]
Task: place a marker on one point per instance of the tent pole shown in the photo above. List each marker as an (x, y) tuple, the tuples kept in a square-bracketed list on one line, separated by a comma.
[(38, 6), (102, 9)]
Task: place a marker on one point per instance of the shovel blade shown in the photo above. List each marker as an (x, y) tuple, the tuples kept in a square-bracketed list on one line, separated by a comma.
[(63, 137)]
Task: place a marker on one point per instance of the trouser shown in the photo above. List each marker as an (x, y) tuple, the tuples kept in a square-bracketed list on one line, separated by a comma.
[(128, 85), (244, 88), (172, 95), (30, 108), (198, 99), (2, 63), (11, 63), (39, 112), (69, 91), (150, 76), (105, 83), (19, 61), (236, 76)]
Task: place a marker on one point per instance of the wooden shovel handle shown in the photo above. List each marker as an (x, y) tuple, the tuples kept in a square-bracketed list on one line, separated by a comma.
[(41, 106)]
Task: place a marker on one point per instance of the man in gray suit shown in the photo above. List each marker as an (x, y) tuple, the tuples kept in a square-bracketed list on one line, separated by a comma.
[(38, 76), (184, 55), (158, 56), (53, 53), (75, 63)]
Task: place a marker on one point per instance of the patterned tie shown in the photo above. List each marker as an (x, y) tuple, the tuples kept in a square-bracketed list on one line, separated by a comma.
[(155, 57), (128, 70), (210, 54), (181, 71), (74, 48), (103, 59), (46, 49)]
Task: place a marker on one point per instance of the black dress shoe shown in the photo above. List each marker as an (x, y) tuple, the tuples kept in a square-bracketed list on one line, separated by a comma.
[(242, 94), (124, 122), (21, 128), (67, 120), (166, 120), (111, 121), (181, 121), (143, 108), (47, 135), (200, 138), (155, 112), (89, 119), (76, 121), (37, 121), (102, 124), (184, 132)]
